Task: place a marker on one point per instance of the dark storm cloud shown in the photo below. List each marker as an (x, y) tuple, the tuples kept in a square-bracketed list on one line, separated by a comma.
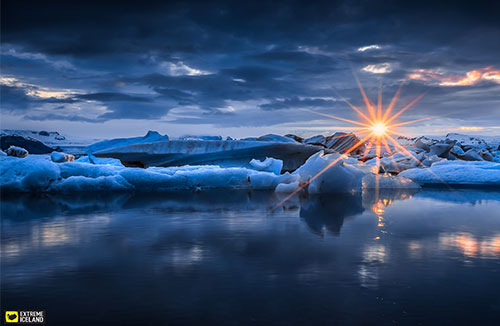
[(142, 59), (112, 97)]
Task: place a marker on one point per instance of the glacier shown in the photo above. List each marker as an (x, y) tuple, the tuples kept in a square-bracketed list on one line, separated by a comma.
[(224, 153)]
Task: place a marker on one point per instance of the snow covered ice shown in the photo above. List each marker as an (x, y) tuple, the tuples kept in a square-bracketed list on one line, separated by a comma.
[(40, 174), (457, 173), (281, 163)]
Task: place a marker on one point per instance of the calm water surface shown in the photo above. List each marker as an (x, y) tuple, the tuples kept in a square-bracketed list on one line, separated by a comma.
[(224, 258)]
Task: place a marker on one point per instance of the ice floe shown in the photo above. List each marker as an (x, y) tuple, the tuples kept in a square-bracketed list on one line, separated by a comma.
[(40, 174), (457, 173)]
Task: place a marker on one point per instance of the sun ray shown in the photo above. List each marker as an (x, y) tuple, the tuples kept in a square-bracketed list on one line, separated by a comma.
[(412, 103), (352, 106), (392, 103), (368, 148), (365, 99), (410, 122), (398, 145), (379, 102), (338, 118), (399, 133)]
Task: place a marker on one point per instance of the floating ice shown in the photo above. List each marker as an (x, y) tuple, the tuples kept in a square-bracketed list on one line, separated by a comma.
[(17, 151), (326, 174), (60, 157), (39, 174), (151, 136), (457, 173), (269, 165)]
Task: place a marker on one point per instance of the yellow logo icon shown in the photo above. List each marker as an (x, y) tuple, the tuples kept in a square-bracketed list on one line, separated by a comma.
[(11, 317)]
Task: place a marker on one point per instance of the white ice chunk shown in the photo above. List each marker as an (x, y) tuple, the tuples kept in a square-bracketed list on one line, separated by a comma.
[(269, 165), (287, 188), (59, 157), (27, 174), (39, 174), (95, 160), (457, 173), (328, 173), (17, 152)]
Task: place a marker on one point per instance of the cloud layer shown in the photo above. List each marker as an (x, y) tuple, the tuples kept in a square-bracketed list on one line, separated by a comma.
[(206, 65)]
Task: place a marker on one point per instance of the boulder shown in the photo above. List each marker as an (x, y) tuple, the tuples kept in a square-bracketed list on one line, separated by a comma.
[(17, 152)]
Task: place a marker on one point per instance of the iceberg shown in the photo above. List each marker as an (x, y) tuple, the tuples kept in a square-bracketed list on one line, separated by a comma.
[(60, 157), (335, 176), (16, 151), (224, 153), (269, 165), (151, 136), (40, 174), (459, 173), (276, 138)]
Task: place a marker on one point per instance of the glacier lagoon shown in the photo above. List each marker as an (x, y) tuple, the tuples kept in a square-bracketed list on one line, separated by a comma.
[(226, 257)]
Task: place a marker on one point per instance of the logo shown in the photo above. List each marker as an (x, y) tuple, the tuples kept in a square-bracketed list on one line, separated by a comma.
[(11, 317), (25, 317)]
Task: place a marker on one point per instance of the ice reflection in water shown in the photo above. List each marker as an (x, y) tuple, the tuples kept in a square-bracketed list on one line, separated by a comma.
[(352, 258)]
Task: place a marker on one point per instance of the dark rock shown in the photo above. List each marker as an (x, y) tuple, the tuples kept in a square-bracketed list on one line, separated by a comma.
[(44, 133), (31, 145)]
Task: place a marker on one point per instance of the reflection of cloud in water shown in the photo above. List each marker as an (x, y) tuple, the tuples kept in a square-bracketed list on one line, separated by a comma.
[(373, 257), (50, 233)]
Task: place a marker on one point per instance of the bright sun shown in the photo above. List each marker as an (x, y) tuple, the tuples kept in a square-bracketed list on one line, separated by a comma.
[(379, 129)]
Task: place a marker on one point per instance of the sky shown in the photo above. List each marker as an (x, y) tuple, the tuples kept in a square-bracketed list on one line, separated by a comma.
[(246, 68)]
